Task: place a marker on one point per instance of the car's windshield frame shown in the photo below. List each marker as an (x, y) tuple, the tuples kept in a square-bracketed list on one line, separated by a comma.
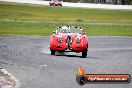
[(70, 29)]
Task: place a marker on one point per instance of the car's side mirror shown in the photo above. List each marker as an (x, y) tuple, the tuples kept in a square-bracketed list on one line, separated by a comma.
[(53, 32), (83, 33)]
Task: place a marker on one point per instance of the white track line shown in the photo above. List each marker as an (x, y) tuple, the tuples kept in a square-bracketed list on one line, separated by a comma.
[(17, 83)]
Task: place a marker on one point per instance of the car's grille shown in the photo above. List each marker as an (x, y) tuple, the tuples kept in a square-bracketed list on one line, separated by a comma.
[(59, 47), (78, 47)]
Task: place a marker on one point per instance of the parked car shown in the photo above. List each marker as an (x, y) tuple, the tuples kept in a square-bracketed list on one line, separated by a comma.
[(69, 39), (55, 3)]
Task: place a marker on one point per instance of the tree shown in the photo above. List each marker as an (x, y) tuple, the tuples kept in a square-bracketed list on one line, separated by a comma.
[(123, 2), (115, 1)]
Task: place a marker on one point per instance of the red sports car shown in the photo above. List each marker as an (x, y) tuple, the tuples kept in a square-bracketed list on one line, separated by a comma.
[(55, 3), (69, 39)]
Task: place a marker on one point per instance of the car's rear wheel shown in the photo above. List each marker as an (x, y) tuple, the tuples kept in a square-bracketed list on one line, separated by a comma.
[(84, 54), (52, 52)]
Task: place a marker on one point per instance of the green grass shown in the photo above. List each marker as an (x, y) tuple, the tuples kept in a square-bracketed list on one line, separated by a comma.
[(24, 19)]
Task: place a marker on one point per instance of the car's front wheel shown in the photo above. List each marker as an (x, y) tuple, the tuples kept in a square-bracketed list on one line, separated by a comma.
[(84, 54), (52, 52)]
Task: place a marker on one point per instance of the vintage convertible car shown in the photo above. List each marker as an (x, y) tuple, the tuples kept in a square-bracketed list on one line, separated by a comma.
[(69, 39), (55, 3)]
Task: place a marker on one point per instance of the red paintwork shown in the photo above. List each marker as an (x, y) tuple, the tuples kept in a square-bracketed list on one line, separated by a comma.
[(82, 45), (55, 3), (74, 46), (54, 42)]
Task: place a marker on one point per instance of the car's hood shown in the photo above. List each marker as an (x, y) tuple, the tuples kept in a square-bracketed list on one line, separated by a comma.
[(68, 34)]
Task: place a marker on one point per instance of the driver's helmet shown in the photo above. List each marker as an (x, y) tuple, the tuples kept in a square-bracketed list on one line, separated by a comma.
[(64, 29)]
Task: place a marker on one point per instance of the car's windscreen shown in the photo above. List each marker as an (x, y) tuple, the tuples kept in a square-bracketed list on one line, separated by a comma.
[(54, 0), (69, 30)]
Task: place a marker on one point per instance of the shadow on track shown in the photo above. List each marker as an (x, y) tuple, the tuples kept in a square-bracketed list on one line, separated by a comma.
[(73, 54), (70, 56)]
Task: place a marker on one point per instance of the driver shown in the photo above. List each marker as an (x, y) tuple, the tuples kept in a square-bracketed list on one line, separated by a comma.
[(65, 29)]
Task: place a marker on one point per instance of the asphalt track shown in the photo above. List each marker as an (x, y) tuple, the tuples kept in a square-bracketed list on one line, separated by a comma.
[(28, 59)]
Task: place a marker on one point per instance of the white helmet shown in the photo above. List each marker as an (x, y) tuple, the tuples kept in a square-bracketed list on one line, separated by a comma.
[(64, 29)]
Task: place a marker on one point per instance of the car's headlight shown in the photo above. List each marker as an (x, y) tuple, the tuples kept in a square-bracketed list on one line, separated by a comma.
[(77, 39), (60, 39)]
